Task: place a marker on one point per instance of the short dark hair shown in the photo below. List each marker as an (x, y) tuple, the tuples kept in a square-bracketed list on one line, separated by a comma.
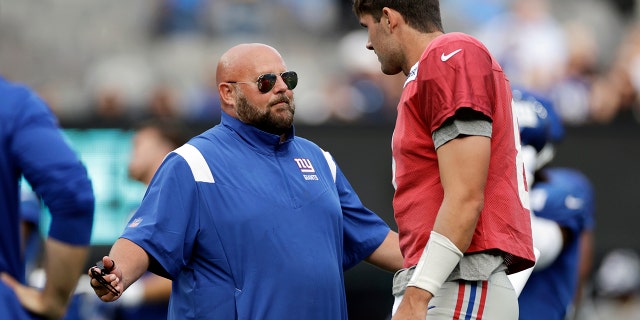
[(422, 15), (173, 131)]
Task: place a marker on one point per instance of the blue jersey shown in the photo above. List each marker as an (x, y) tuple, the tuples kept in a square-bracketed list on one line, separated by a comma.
[(565, 196), (248, 227), (31, 144)]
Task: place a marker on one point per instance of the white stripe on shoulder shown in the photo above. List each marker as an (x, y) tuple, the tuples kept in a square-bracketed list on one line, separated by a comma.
[(198, 165), (332, 164)]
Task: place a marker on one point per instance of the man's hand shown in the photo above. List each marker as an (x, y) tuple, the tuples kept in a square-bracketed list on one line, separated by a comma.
[(414, 305), (33, 299), (111, 288)]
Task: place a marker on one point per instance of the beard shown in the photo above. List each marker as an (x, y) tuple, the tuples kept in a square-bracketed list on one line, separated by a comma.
[(275, 121)]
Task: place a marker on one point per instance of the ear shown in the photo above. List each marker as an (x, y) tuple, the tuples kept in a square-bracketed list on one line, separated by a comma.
[(227, 93), (391, 18), (227, 98)]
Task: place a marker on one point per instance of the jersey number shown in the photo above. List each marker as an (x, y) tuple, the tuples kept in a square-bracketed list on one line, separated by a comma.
[(520, 173)]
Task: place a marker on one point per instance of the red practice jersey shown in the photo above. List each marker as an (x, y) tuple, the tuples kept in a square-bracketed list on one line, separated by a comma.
[(457, 71)]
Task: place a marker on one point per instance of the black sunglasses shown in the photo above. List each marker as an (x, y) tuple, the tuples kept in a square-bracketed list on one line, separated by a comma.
[(268, 80)]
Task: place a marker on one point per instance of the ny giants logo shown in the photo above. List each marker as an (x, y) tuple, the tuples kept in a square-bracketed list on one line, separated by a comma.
[(135, 223), (306, 168)]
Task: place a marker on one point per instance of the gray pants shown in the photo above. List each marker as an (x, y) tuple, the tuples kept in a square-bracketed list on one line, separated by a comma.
[(492, 299)]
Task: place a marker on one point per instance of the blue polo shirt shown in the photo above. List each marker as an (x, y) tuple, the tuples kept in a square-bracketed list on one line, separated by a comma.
[(248, 227)]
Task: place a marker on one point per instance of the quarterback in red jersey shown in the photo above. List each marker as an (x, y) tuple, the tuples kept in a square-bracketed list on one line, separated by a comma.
[(461, 201)]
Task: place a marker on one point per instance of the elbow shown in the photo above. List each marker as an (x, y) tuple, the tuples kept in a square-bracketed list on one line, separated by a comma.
[(478, 204), (467, 204), (72, 219), (474, 204)]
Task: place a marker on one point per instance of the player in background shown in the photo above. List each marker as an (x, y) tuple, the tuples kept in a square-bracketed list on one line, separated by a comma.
[(562, 205), (148, 298), (32, 145)]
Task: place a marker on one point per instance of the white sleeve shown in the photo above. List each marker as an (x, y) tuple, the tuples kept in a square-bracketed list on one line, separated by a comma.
[(547, 237)]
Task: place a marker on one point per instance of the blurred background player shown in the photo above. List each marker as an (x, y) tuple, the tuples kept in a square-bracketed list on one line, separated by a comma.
[(148, 298), (32, 146), (562, 205), (617, 286)]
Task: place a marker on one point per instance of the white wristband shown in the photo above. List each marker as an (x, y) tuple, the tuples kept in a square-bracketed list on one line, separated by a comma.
[(134, 294), (439, 258)]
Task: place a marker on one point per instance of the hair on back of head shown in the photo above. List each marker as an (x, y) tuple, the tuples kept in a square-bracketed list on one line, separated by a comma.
[(422, 15), (171, 130)]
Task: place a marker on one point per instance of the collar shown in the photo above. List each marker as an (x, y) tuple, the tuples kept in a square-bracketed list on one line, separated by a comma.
[(413, 73), (258, 139)]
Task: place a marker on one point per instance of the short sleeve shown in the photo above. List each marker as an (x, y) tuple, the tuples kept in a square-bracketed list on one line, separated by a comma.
[(166, 223), (465, 79), (364, 231)]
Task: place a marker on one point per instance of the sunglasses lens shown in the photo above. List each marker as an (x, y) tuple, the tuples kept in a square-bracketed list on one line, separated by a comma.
[(266, 82), (291, 79)]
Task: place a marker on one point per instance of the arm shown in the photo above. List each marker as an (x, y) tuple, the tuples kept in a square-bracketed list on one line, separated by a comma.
[(162, 236), (59, 177), (63, 271), (585, 265), (157, 288), (126, 263), (151, 288), (62, 262), (464, 165), (388, 255)]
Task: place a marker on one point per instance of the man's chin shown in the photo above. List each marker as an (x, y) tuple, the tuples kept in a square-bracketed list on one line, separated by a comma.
[(280, 107), (282, 114)]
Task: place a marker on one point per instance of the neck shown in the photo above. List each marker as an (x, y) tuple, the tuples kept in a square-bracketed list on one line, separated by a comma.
[(414, 45)]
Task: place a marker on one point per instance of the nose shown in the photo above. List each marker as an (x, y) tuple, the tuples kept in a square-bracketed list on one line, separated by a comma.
[(280, 85), (369, 45)]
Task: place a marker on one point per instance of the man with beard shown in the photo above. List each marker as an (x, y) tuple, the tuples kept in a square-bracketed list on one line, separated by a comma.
[(247, 219)]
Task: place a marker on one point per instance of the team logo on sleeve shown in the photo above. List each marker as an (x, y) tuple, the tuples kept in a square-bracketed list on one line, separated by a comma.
[(305, 166), (135, 223)]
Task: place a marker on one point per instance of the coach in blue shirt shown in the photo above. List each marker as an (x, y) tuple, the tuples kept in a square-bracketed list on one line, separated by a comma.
[(247, 219), (31, 144)]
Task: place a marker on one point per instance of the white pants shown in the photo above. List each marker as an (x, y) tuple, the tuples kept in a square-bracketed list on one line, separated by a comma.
[(494, 299)]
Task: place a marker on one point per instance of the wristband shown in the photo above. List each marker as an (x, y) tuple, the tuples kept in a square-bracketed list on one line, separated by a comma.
[(438, 259)]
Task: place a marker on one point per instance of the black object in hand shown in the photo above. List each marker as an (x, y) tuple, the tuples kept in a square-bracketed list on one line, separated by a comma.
[(99, 277)]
